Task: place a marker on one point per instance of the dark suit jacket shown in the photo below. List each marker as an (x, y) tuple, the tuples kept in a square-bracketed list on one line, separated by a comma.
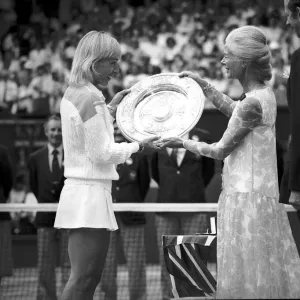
[(6, 179), (291, 177), (41, 184), (185, 183), (132, 186)]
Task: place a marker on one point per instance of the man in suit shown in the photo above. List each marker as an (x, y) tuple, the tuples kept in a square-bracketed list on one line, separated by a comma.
[(181, 177), (6, 182), (46, 182), (290, 187), (132, 186)]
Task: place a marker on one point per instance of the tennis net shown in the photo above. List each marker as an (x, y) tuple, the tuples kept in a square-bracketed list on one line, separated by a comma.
[(135, 258)]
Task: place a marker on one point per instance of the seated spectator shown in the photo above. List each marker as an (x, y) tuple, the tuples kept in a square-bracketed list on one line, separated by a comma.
[(42, 88), (22, 222), (134, 75), (170, 50), (59, 86), (8, 90), (39, 54), (24, 103), (150, 46)]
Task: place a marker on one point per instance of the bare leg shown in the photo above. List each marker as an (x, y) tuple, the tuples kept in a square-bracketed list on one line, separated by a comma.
[(109, 275), (87, 251)]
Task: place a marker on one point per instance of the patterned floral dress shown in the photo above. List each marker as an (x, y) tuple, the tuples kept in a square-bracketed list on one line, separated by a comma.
[(256, 253)]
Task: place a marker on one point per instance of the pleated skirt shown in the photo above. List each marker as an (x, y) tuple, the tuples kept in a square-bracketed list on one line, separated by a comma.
[(86, 204)]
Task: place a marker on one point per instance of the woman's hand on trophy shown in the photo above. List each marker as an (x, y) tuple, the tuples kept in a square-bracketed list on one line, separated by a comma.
[(195, 77), (119, 97), (151, 143), (113, 105), (171, 142)]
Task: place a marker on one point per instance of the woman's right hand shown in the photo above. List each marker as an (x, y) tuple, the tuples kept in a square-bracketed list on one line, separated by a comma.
[(118, 98), (113, 105), (150, 143), (195, 77)]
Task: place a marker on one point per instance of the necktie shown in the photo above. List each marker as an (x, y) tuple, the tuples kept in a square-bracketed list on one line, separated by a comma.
[(55, 166), (174, 156)]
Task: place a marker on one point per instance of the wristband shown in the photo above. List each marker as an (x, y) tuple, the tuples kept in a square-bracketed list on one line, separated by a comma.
[(111, 108), (141, 146), (208, 88), (183, 144)]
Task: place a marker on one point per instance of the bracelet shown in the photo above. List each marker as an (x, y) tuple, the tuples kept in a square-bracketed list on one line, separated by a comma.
[(183, 144), (141, 146), (208, 88), (110, 108)]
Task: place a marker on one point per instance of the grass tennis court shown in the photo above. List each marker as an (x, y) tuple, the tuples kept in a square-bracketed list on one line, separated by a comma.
[(23, 284)]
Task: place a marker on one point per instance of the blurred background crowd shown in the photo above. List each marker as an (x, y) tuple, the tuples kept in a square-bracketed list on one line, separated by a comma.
[(38, 40)]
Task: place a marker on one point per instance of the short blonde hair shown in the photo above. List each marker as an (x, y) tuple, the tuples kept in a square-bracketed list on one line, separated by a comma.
[(92, 47), (249, 43)]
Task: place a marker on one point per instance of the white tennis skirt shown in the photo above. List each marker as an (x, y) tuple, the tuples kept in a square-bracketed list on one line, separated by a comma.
[(86, 203)]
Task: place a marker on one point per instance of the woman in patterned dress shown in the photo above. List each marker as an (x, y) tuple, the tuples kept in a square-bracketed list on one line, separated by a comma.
[(256, 253)]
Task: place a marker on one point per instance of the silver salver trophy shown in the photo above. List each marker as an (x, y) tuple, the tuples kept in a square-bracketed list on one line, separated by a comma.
[(163, 105)]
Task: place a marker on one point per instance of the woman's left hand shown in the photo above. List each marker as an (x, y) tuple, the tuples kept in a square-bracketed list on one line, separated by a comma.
[(202, 83), (171, 142)]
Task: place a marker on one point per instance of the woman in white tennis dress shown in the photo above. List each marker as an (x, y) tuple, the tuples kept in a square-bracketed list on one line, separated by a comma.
[(90, 157), (257, 256)]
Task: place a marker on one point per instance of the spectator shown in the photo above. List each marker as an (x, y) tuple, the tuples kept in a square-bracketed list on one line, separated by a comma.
[(46, 182), (134, 75), (182, 177), (6, 182), (8, 90), (22, 222), (39, 54), (42, 88), (132, 186), (150, 46), (24, 103), (59, 87), (170, 50)]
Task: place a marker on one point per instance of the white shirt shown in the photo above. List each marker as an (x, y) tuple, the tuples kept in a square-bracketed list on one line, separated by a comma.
[(22, 196), (8, 90), (180, 154), (59, 155)]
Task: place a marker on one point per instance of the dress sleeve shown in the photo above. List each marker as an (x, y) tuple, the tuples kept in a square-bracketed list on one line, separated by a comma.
[(221, 101), (248, 115), (99, 145)]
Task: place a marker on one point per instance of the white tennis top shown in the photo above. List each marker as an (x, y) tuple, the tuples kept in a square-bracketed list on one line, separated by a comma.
[(88, 138)]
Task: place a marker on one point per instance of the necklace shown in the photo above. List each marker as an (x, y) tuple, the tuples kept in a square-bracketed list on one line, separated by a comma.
[(253, 87)]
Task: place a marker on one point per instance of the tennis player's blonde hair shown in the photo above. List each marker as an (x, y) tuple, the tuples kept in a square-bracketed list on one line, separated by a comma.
[(92, 47), (249, 43)]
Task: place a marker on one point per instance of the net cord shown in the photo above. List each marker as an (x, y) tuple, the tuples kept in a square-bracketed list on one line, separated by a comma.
[(118, 207)]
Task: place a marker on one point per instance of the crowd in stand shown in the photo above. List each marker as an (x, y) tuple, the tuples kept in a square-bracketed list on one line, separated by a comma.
[(166, 36)]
